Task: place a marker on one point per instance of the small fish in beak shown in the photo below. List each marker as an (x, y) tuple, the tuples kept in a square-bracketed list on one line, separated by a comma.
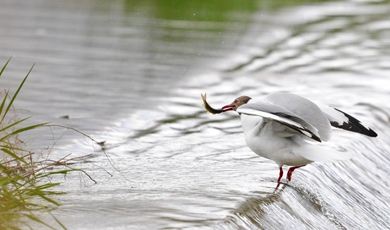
[(208, 107)]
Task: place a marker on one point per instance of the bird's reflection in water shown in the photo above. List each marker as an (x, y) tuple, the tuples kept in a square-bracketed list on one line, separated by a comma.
[(262, 199), (257, 211)]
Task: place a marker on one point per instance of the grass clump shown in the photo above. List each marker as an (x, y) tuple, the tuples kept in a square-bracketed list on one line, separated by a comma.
[(24, 185)]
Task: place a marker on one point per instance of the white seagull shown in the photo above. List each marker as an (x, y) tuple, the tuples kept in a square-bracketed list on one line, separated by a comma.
[(285, 128)]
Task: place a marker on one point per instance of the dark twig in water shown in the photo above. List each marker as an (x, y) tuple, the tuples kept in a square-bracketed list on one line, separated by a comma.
[(100, 143)]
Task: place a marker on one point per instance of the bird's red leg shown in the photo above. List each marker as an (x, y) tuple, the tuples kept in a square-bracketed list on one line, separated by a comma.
[(280, 174), (291, 170), (280, 177)]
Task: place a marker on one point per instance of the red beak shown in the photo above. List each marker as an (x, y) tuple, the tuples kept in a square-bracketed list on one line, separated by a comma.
[(228, 107)]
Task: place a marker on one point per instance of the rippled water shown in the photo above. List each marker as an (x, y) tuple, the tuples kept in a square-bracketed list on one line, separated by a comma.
[(132, 74)]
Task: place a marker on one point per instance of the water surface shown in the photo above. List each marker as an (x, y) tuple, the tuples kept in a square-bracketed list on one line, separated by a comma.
[(131, 74)]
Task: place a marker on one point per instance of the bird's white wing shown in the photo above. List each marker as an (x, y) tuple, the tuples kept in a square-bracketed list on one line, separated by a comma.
[(303, 109), (281, 116)]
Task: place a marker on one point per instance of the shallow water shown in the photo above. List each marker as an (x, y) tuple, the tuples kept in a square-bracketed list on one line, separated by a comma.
[(132, 73)]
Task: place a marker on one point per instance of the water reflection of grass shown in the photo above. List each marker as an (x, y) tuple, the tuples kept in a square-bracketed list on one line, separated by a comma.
[(24, 186), (209, 10)]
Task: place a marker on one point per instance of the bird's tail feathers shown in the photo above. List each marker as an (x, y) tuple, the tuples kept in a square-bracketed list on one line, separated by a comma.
[(323, 153)]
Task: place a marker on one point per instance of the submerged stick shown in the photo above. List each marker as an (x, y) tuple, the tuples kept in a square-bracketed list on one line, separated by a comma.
[(208, 107)]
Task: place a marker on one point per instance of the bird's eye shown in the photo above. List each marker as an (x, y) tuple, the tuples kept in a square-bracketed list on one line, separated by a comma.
[(237, 101)]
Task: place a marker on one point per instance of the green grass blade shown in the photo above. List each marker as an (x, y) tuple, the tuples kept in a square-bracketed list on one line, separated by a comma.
[(13, 155), (58, 221), (3, 102), (10, 147), (32, 217), (2, 70), (13, 124), (16, 94), (47, 185), (6, 180), (21, 130), (20, 185), (48, 199)]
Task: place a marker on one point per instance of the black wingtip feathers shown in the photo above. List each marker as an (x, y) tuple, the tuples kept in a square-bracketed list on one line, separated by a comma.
[(354, 125)]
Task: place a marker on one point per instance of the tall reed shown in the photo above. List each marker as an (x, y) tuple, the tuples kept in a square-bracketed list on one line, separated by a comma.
[(24, 185)]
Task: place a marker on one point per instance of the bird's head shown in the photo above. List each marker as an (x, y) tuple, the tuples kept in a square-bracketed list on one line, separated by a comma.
[(236, 103)]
